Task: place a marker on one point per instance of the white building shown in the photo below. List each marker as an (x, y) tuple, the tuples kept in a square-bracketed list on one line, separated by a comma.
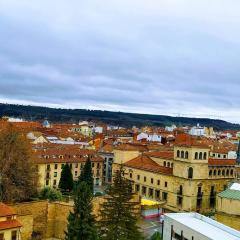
[(149, 137), (170, 128), (193, 226), (197, 131)]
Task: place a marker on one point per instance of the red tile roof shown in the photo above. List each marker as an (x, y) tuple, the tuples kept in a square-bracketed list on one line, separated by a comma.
[(145, 163), (221, 162), (132, 147), (10, 224), (6, 210), (169, 155)]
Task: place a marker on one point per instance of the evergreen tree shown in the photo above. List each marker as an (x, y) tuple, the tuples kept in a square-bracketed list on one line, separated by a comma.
[(156, 236), (81, 222), (66, 180), (86, 174), (18, 172), (118, 214)]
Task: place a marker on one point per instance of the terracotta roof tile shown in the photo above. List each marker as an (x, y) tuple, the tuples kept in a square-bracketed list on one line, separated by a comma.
[(145, 163), (10, 224), (6, 210), (221, 162), (164, 154)]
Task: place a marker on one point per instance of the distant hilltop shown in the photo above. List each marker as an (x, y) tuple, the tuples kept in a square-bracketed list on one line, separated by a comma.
[(37, 113)]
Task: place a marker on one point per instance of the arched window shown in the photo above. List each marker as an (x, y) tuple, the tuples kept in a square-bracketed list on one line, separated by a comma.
[(215, 172), (219, 172), (210, 173), (186, 154), (231, 172), (196, 155), (178, 153), (223, 172), (168, 164), (227, 172), (190, 172), (172, 165), (205, 156), (182, 154), (180, 190), (200, 155), (164, 164)]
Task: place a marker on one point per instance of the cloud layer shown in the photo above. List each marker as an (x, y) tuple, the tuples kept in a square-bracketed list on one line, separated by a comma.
[(156, 56)]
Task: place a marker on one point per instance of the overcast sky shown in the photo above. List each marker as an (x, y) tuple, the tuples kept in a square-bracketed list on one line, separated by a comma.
[(148, 56)]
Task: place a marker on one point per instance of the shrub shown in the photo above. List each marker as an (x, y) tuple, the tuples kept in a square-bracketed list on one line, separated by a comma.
[(50, 194)]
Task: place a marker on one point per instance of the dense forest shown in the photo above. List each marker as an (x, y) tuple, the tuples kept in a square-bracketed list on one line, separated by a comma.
[(114, 118)]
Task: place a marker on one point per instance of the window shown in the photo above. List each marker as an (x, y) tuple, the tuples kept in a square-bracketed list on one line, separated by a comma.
[(215, 172), (227, 172), (54, 182), (76, 165), (55, 174), (182, 154), (186, 154), (219, 172), (145, 179), (62, 166), (165, 184), (210, 173), (168, 164), (130, 175), (223, 172), (164, 196), (92, 165), (164, 164), (138, 177), (219, 155), (98, 165), (231, 172), (1, 236), (150, 192), (152, 180), (14, 235), (48, 167), (157, 194), (143, 190), (158, 182), (200, 156), (76, 173), (137, 188), (224, 156), (47, 182), (172, 165), (55, 166), (178, 153), (205, 156), (190, 173), (196, 155)]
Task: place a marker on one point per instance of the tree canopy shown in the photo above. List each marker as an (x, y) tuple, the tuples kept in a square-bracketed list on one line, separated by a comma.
[(66, 179), (118, 218), (18, 172), (81, 222), (86, 174)]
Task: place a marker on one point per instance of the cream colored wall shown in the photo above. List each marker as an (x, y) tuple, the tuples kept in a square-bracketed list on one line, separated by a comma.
[(124, 156), (228, 206), (190, 188)]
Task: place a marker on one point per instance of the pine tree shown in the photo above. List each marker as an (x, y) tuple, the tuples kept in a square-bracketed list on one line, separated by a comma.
[(18, 172), (81, 222), (86, 174), (118, 214), (66, 180)]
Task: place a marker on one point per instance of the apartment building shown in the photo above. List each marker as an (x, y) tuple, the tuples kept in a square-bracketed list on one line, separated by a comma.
[(185, 179)]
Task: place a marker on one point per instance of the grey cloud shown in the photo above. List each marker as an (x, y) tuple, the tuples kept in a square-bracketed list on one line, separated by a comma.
[(155, 56)]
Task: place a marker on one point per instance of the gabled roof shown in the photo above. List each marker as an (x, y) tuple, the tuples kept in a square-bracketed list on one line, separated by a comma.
[(6, 210), (143, 162), (230, 194)]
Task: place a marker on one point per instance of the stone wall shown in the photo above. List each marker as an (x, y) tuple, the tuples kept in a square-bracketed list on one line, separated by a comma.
[(47, 218)]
